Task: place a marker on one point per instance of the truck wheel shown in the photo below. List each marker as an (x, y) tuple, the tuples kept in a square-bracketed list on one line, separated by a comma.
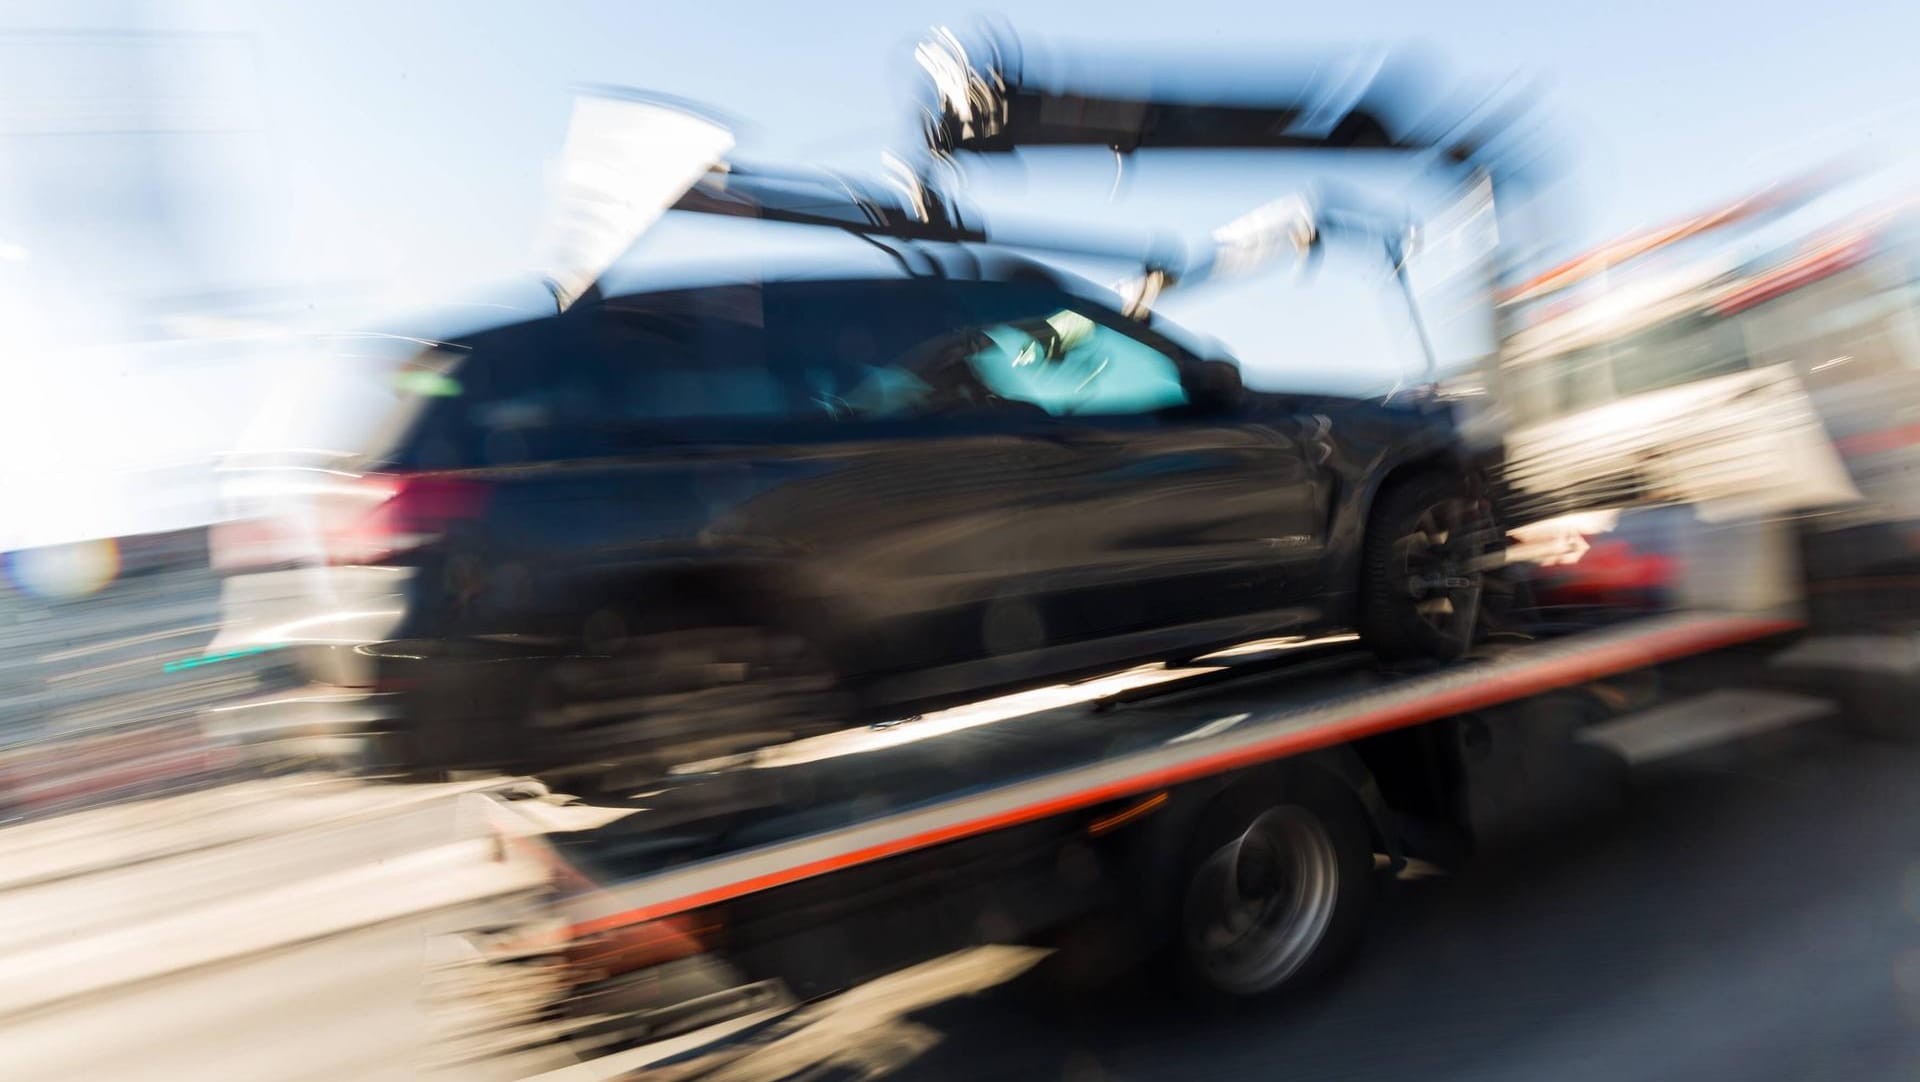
[(1276, 894), (1422, 569)]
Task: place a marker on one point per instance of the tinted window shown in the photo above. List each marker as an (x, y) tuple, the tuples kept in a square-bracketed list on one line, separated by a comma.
[(1667, 355), (1069, 365), (499, 390), (691, 355), (561, 387), (1852, 325), (878, 350), (1556, 386), (1675, 353), (763, 359)]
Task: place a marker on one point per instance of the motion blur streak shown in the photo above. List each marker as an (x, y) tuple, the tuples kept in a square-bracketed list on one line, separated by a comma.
[(974, 511)]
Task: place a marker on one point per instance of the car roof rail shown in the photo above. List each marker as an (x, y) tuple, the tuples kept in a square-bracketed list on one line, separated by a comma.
[(830, 199)]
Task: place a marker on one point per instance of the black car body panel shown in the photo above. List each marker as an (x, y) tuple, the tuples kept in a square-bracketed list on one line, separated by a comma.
[(950, 485)]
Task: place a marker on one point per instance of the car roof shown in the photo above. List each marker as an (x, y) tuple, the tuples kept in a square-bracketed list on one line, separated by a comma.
[(526, 300), (928, 261), (862, 261)]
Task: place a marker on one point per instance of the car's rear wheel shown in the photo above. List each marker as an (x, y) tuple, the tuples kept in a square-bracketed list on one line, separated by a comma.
[(663, 699), (1423, 567)]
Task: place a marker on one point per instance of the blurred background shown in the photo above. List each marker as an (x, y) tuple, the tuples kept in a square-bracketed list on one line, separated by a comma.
[(1705, 307), (194, 191)]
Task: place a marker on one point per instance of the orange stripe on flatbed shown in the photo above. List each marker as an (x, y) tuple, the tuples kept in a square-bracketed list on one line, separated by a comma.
[(1497, 688)]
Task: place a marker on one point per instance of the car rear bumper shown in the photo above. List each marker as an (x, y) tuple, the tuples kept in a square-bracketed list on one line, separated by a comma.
[(454, 711), (323, 617), (338, 680)]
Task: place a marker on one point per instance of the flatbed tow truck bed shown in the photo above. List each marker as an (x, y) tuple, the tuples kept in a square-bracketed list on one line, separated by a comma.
[(747, 887)]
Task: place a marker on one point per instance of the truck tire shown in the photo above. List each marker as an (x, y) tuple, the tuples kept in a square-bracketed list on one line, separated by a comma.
[(1276, 891), (1421, 568)]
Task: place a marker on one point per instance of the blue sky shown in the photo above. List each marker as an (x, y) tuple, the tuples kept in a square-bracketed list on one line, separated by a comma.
[(442, 114), (408, 142)]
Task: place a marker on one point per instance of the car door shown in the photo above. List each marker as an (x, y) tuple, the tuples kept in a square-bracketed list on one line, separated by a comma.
[(1158, 512), (900, 486), (770, 442)]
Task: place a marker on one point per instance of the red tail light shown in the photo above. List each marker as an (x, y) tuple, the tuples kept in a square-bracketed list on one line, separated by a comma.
[(396, 513), (345, 519)]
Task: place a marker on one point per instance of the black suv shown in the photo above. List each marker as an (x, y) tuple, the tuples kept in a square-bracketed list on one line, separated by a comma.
[(674, 522)]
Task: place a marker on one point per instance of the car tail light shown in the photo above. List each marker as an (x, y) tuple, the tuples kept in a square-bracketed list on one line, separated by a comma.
[(344, 519), (389, 514)]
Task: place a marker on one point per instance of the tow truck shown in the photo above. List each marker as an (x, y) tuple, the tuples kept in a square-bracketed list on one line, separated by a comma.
[(1150, 820), (1228, 820)]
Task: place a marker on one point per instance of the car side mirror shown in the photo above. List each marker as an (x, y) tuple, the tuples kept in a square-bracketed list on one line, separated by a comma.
[(1214, 386)]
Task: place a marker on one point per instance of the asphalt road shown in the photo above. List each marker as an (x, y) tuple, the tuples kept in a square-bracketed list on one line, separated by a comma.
[(1752, 917), (280, 929)]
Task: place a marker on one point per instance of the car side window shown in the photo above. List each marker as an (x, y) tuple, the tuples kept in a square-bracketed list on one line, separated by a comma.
[(794, 357), (880, 350), (690, 355), (501, 402), (1071, 366), (565, 386), (911, 348)]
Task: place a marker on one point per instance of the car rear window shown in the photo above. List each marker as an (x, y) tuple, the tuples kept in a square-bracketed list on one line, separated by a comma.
[(589, 381)]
